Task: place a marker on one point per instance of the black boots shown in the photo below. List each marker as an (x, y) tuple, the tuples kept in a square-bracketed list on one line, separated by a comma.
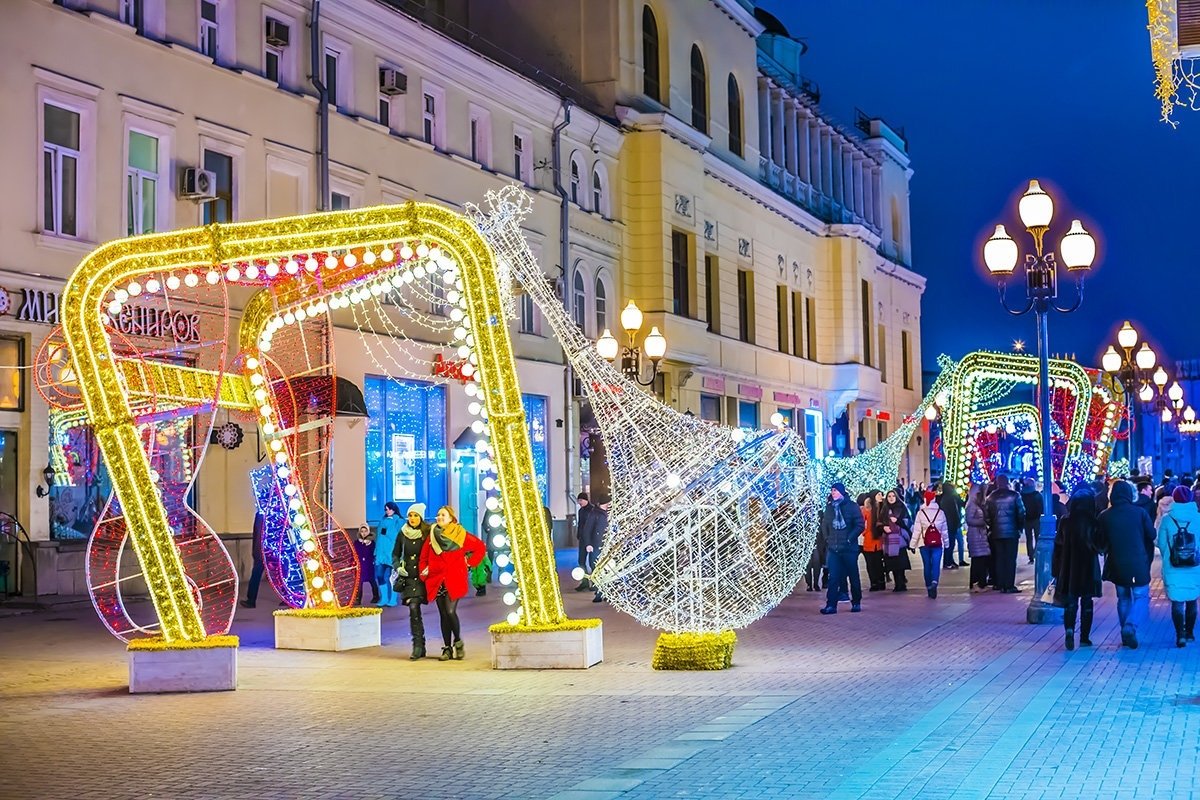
[(418, 650), (417, 625), (1178, 617), (1085, 627)]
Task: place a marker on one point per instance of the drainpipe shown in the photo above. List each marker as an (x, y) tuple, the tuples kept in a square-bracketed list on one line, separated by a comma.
[(564, 210), (314, 40)]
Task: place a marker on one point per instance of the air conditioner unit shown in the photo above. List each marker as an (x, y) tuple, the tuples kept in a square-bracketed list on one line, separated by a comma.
[(277, 33), (392, 81), (197, 184)]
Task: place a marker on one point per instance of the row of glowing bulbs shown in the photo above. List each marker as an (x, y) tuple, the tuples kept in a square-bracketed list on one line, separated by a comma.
[(292, 266)]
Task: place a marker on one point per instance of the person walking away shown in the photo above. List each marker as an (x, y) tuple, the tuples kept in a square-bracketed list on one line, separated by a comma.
[(1145, 497), (406, 560), (1076, 566), (872, 546), (841, 524), (600, 511), (977, 539), (931, 532), (893, 523), (364, 548), (1177, 533), (589, 532), (447, 555), (1032, 500), (952, 506), (1161, 509), (1005, 521), (256, 571), (385, 544), (1127, 538)]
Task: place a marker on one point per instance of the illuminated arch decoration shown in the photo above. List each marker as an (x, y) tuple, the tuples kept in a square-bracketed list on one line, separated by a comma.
[(306, 266), (710, 526), (280, 560)]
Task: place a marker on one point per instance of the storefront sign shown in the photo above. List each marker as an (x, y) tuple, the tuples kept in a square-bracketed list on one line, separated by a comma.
[(748, 390), (787, 397), (41, 306), (714, 384)]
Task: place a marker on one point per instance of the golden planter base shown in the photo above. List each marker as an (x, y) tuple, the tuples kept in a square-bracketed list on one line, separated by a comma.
[(330, 629), (694, 651)]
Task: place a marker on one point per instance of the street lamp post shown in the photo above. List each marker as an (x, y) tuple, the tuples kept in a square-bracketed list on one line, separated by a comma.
[(1131, 368), (1000, 253), (654, 347)]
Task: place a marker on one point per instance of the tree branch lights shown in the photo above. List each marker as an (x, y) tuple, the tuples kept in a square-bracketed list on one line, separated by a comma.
[(710, 526), (308, 265), (1174, 71)]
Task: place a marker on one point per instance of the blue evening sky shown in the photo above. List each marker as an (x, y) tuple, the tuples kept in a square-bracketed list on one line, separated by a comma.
[(992, 93)]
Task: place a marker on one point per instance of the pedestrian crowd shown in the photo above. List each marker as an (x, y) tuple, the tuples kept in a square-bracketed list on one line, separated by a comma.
[(1104, 531)]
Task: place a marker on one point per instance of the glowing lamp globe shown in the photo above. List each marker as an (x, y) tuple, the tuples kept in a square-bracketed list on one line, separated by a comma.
[(931, 412), (1036, 207), (655, 345), (1145, 357), (1127, 336), (1189, 414), (607, 345), (1160, 377), (1111, 360), (1077, 248), (1000, 253), (1166, 415), (631, 318), (1146, 394), (1175, 392)]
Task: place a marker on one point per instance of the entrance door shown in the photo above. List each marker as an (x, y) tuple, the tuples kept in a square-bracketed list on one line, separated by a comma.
[(8, 505), (468, 490)]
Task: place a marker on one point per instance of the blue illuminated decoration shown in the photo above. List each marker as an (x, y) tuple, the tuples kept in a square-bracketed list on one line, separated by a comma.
[(279, 551), (535, 417)]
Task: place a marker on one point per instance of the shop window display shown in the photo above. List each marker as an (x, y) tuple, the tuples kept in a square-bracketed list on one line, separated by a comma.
[(406, 455)]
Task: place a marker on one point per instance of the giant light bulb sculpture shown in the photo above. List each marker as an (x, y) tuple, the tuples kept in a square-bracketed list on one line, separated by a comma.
[(710, 526)]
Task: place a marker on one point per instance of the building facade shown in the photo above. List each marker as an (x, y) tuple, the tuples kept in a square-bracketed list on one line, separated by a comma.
[(767, 242), (113, 99)]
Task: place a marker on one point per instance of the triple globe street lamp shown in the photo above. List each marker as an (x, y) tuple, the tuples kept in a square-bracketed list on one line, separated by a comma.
[(1001, 255), (654, 347)]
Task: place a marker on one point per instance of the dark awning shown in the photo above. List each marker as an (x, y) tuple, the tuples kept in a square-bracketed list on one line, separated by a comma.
[(314, 394)]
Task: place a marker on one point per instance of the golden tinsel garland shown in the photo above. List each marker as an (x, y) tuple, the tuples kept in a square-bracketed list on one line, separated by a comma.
[(694, 651)]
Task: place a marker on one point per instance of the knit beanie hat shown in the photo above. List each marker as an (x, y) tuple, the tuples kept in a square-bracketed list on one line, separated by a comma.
[(929, 496), (418, 509)]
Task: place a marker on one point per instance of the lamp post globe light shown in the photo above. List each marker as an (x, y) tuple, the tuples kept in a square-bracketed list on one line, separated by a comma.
[(1001, 254), (1132, 367), (654, 346)]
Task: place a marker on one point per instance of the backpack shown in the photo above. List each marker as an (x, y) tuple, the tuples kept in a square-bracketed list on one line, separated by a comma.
[(933, 536), (1183, 546)]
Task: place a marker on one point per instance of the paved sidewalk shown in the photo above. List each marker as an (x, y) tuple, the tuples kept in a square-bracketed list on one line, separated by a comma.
[(914, 698)]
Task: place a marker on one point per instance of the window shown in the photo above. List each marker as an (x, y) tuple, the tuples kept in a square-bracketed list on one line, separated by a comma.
[(429, 111), (60, 170), (735, 116), (522, 157), (712, 293), (866, 322), (798, 341), (905, 359), (788, 415), (598, 204), (338, 201), (881, 431), (406, 458), (481, 136), (12, 381), (747, 414), (385, 109), (651, 79), (133, 12), (332, 59), (575, 170), (141, 184), (814, 432), (272, 60), (601, 307), (579, 301), (680, 274), (699, 92), (710, 408), (437, 295), (536, 407), (220, 209), (208, 28), (810, 326), (745, 306), (781, 315), (528, 320), (882, 354)]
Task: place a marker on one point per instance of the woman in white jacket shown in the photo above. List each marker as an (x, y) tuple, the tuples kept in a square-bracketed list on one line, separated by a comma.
[(931, 532)]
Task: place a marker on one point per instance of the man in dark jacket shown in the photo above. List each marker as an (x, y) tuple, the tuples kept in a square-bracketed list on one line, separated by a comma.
[(256, 573), (952, 506), (1145, 498), (591, 524), (841, 525), (1126, 536), (1005, 521), (1032, 499)]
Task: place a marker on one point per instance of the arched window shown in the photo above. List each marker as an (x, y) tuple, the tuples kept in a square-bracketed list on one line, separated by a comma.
[(599, 200), (575, 171), (651, 85), (699, 92), (601, 307), (735, 116), (579, 301)]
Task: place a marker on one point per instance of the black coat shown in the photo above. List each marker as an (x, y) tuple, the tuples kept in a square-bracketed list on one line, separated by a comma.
[(1076, 564), (952, 506), (592, 523), (1005, 514), (407, 554), (1126, 536), (844, 539), (1034, 506), (1146, 503)]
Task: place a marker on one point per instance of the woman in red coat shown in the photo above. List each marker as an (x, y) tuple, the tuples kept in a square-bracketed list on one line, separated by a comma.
[(447, 555)]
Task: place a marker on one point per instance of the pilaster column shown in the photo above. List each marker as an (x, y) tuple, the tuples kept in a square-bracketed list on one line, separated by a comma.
[(790, 135), (858, 186), (777, 152), (877, 195), (838, 167), (764, 118), (804, 144)]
